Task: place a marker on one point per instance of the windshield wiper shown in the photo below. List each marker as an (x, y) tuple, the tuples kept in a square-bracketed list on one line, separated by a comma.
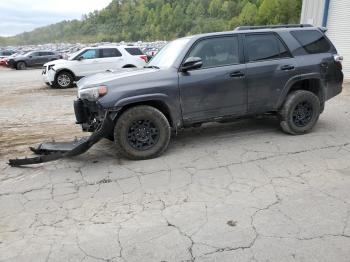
[(152, 66)]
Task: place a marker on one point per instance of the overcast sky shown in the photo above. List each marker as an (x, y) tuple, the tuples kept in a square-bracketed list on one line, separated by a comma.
[(17, 16)]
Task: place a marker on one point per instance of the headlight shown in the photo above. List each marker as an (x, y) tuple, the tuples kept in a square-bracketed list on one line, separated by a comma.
[(50, 67), (93, 93)]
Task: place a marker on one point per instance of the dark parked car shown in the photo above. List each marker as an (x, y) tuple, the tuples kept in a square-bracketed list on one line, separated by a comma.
[(6, 53), (32, 59), (289, 71)]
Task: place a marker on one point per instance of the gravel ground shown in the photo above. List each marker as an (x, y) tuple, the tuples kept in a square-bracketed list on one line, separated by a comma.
[(242, 191)]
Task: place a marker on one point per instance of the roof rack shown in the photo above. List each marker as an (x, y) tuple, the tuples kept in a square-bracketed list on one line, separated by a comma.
[(271, 26)]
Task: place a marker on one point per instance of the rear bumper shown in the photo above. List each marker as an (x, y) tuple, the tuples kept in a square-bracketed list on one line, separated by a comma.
[(335, 87)]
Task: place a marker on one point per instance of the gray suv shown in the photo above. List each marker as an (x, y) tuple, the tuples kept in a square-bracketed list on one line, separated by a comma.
[(33, 58), (289, 71)]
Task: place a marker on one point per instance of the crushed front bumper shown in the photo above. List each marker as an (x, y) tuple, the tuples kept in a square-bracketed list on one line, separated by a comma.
[(88, 114), (53, 151)]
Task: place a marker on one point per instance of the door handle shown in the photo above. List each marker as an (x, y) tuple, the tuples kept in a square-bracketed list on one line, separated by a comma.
[(287, 67), (237, 74)]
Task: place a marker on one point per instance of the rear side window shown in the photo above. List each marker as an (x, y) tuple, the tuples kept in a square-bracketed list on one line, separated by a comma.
[(110, 52), (312, 41), (133, 51), (218, 51), (261, 47)]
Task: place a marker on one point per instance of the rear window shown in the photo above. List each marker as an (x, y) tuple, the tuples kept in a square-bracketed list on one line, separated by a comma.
[(312, 41), (134, 51)]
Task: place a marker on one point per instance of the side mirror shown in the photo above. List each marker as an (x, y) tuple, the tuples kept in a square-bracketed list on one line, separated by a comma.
[(30, 56), (80, 58), (192, 63)]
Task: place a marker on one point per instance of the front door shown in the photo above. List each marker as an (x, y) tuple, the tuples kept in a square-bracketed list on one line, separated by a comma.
[(89, 63), (218, 88)]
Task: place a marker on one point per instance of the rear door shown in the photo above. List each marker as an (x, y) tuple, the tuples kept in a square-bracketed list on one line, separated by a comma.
[(110, 58), (269, 66), (44, 57), (218, 88)]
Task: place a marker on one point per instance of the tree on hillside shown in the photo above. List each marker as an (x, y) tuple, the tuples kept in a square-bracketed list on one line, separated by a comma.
[(133, 20)]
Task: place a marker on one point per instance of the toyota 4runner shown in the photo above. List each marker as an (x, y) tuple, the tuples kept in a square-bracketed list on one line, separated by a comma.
[(289, 71)]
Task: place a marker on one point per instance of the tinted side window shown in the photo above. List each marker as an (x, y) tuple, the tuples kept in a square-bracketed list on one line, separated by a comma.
[(312, 41), (90, 54), (264, 47), (110, 52), (219, 51), (34, 54), (134, 51)]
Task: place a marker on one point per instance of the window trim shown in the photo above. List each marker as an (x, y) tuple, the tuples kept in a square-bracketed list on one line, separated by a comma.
[(213, 37), (245, 51)]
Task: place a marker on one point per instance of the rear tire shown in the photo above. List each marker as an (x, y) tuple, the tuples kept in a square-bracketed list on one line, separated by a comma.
[(142, 132), (300, 112), (21, 65), (63, 80)]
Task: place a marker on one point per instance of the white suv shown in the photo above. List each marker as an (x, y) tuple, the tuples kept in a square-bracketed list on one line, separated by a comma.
[(62, 73)]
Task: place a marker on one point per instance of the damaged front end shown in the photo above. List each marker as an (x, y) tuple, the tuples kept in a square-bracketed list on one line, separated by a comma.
[(92, 117)]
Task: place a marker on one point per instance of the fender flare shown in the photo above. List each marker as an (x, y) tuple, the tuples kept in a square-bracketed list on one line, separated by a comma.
[(174, 111), (64, 69), (295, 79)]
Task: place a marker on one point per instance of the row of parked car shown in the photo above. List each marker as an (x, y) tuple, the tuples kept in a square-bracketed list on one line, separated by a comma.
[(62, 73)]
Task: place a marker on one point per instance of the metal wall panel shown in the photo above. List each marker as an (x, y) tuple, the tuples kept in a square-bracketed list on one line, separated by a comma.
[(338, 25), (312, 12)]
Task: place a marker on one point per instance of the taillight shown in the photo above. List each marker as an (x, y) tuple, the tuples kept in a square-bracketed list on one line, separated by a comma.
[(338, 61), (144, 58)]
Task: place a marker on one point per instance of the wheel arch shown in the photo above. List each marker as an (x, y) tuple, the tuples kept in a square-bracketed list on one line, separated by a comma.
[(309, 82), (19, 61), (129, 66), (64, 70), (159, 101)]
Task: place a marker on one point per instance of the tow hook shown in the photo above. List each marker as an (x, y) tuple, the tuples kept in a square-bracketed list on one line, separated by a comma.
[(52, 151)]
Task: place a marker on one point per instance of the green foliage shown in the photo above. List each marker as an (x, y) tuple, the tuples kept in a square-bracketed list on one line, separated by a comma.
[(147, 20)]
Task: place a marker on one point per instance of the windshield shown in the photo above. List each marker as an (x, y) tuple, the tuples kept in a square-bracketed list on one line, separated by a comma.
[(28, 53), (169, 53), (75, 54)]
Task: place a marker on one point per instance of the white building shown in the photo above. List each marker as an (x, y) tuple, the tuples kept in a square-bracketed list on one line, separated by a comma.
[(335, 15)]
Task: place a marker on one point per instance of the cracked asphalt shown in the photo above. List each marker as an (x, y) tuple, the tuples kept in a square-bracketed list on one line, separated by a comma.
[(240, 191)]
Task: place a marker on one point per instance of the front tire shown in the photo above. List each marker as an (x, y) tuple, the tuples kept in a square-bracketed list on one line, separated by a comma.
[(300, 112), (21, 65), (64, 80), (142, 132)]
